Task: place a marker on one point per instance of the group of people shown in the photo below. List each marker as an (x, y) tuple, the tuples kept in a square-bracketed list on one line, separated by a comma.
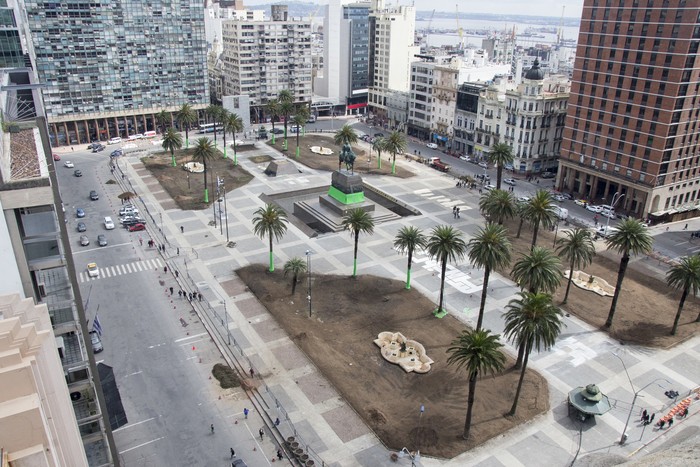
[(455, 212), (188, 295)]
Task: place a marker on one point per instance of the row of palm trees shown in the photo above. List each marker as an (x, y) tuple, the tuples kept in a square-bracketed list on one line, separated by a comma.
[(394, 144), (283, 106)]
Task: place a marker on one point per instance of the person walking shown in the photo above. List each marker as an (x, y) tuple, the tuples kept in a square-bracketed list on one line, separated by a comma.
[(177, 274), (246, 412), (252, 372), (670, 422), (140, 241), (261, 432), (212, 428), (644, 414), (171, 291), (165, 269), (279, 454), (179, 292), (233, 453), (454, 212), (457, 212), (651, 420), (182, 229), (200, 296)]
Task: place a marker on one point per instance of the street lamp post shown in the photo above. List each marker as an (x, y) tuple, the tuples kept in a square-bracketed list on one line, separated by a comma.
[(615, 199), (228, 334), (308, 272)]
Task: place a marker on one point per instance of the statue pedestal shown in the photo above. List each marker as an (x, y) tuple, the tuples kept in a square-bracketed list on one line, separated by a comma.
[(346, 193)]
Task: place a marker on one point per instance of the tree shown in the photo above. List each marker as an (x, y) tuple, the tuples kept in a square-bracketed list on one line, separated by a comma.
[(479, 352), (520, 212), (187, 117), (273, 110), (489, 249), (294, 266), (172, 141), (204, 151), (497, 205), (500, 155), (163, 119), (233, 124), (395, 144), (357, 221), (631, 238), (685, 275), (223, 118), (299, 119), (216, 113), (406, 241), (345, 135), (539, 212), (538, 271), (577, 248), (532, 321), (286, 108), (378, 145), (271, 222), (445, 244)]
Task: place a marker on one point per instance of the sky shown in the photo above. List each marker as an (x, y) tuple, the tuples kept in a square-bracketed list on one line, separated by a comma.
[(518, 7)]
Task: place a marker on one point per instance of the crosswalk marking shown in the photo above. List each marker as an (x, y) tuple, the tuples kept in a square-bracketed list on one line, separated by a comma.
[(441, 199), (121, 269)]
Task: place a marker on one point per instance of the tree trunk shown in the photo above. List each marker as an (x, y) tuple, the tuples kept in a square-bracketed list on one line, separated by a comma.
[(408, 269), (499, 175), (618, 287), (354, 262), (520, 227), (680, 310), (224, 136), (294, 283), (535, 228), (235, 158), (568, 284), (206, 188), (442, 283), (514, 407), (393, 163), (470, 405), (480, 320), (519, 360), (272, 258)]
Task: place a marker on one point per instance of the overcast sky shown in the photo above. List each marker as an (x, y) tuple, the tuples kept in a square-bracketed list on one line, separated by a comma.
[(518, 7)]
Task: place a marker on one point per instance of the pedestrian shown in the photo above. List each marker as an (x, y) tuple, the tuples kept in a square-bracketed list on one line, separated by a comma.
[(252, 372), (277, 421), (279, 454), (646, 419), (245, 412), (684, 413), (670, 422), (661, 424), (182, 229), (177, 274), (651, 420), (200, 296), (171, 291), (454, 212), (261, 432), (458, 213), (212, 428), (686, 227), (644, 414), (179, 292), (233, 453), (178, 250), (141, 241), (165, 269)]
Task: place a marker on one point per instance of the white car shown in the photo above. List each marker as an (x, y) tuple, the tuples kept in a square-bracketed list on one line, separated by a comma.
[(559, 198), (509, 181), (524, 199), (580, 202), (68, 164), (465, 158), (606, 232), (489, 187), (432, 145), (608, 214), (92, 270), (483, 165), (109, 223), (593, 208)]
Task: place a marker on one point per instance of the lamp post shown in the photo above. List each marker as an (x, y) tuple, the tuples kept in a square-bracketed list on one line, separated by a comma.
[(615, 199), (308, 273), (228, 335), (623, 437)]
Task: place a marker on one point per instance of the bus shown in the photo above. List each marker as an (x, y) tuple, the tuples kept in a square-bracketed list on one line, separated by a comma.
[(209, 128)]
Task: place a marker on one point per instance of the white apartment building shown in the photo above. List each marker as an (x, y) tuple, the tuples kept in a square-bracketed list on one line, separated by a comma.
[(262, 58), (391, 50), (215, 15), (529, 116)]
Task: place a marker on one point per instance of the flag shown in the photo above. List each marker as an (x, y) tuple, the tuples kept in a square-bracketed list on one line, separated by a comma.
[(96, 326)]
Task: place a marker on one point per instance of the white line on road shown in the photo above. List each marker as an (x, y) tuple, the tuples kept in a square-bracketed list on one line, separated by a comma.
[(135, 373), (141, 445), (189, 343), (100, 248), (191, 337), (133, 424)]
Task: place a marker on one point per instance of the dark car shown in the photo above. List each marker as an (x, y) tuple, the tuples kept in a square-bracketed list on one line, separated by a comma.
[(278, 131), (137, 227), (379, 135), (80, 212), (94, 196), (117, 153), (238, 463), (81, 227), (101, 240), (78, 173), (97, 148), (548, 175), (84, 240)]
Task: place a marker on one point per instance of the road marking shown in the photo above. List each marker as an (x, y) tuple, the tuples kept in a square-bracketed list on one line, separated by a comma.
[(119, 269), (188, 343), (192, 337), (135, 373), (133, 424), (100, 248), (142, 445)]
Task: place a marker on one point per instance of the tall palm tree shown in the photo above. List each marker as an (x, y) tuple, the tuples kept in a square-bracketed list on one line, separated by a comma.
[(357, 221), (299, 120), (631, 238), (345, 135), (186, 117), (538, 271), (378, 145), (163, 119), (479, 352), (215, 113), (286, 108), (520, 212), (685, 276), (489, 249), (532, 321), (204, 151), (223, 118), (577, 248), (497, 205), (271, 222), (540, 213), (500, 155), (406, 241), (294, 266), (172, 141), (395, 144), (445, 244), (273, 110), (233, 124)]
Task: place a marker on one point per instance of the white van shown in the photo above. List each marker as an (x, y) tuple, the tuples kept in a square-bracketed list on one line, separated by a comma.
[(115, 140), (149, 134), (562, 213)]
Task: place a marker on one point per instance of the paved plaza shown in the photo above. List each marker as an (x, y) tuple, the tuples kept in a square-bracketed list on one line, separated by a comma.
[(309, 406)]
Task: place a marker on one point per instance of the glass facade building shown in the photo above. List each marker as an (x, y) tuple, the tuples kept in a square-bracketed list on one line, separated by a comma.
[(357, 14)]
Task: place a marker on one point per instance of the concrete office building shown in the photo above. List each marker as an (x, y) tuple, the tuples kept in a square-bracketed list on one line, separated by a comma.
[(216, 13), (633, 126), (391, 50), (109, 67), (466, 111), (262, 58), (345, 75)]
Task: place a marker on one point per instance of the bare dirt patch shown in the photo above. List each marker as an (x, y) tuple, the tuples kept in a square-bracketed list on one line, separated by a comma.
[(348, 314)]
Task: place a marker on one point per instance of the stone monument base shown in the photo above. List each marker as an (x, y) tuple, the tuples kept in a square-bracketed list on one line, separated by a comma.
[(340, 208), (346, 188)]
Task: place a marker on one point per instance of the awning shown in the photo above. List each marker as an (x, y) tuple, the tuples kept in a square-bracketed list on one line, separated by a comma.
[(357, 106), (589, 400)]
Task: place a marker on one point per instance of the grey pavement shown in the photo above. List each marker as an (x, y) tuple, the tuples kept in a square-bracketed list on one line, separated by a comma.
[(292, 389)]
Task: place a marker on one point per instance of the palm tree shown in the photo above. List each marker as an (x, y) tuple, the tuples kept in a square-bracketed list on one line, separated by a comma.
[(204, 151), (395, 144), (233, 124), (215, 112), (539, 212), (520, 212), (378, 145), (299, 120), (223, 118), (357, 221), (186, 117), (406, 241), (271, 222), (489, 249), (479, 352), (532, 321), (631, 238), (273, 110), (500, 155), (346, 135), (163, 118), (286, 108), (172, 141), (497, 205), (686, 276), (578, 249), (538, 271), (294, 266), (445, 244)]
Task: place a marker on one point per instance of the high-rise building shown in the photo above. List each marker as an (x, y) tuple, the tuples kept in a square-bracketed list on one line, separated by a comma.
[(109, 67), (391, 50), (633, 124)]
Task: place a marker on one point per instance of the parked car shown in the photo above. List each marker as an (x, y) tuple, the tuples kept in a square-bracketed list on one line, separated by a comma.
[(80, 212), (278, 131), (238, 463), (509, 181), (128, 210), (94, 196), (102, 240), (68, 164), (607, 213), (483, 165), (581, 202), (93, 270), (432, 145), (465, 158), (295, 129), (78, 173), (137, 227), (605, 232), (84, 240), (96, 342), (559, 198), (56, 157), (548, 175), (109, 223), (484, 177), (129, 221), (593, 208), (81, 227), (508, 167)]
